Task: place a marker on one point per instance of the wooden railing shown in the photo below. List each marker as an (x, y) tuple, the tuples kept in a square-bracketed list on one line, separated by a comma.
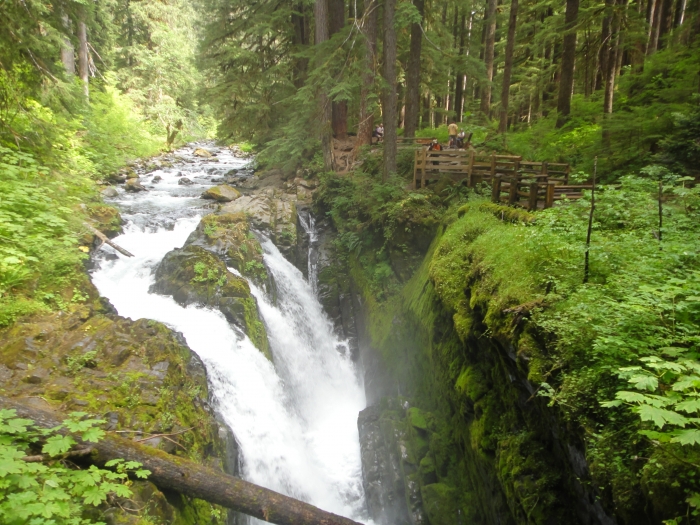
[(531, 185)]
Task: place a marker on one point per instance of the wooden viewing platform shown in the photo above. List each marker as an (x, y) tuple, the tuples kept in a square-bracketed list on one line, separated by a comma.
[(532, 185)]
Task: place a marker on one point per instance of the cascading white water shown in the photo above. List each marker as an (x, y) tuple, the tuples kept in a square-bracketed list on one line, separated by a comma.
[(295, 420)]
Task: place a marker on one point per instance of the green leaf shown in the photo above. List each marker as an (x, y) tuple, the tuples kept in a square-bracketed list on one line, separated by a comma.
[(661, 416), (687, 437), (57, 445), (93, 435), (644, 382), (689, 406)]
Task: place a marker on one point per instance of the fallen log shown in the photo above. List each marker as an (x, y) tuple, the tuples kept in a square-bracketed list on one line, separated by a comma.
[(105, 240), (190, 478)]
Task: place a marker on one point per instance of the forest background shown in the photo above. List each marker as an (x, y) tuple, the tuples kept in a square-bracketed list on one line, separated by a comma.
[(86, 87)]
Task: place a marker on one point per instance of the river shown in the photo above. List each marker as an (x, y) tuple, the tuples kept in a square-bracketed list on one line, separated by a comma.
[(295, 418)]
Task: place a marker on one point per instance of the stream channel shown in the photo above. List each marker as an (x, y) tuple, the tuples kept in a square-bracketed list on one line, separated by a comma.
[(295, 419)]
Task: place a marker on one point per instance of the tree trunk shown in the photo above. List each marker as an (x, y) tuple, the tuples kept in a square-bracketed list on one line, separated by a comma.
[(83, 69), (339, 109), (490, 40), (654, 28), (67, 49), (604, 51), (425, 121), (389, 91), (301, 39), (568, 60), (191, 479), (611, 73), (413, 75), (369, 30), (508, 67), (325, 113), (666, 23), (459, 76), (680, 13)]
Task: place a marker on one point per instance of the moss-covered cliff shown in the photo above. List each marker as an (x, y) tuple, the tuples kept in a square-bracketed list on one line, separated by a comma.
[(510, 359)]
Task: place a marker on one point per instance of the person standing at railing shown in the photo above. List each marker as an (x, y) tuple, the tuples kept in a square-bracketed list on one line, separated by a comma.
[(452, 130)]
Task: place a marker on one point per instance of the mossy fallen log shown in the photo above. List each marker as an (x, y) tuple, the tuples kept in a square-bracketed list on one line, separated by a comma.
[(189, 478)]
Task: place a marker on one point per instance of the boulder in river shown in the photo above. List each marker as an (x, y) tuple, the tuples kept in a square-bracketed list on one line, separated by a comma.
[(131, 174), (157, 179), (227, 235), (201, 152), (134, 185), (109, 192), (223, 193), (193, 275), (184, 181)]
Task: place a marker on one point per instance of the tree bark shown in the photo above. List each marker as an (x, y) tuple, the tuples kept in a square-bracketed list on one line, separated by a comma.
[(389, 91), (413, 75), (508, 67), (666, 23), (459, 74), (369, 30), (191, 479), (336, 15), (568, 60), (680, 13), (599, 81), (301, 38), (83, 69), (654, 28), (325, 112), (489, 42), (67, 49)]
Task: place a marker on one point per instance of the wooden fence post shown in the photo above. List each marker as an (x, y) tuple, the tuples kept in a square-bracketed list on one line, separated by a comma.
[(534, 189), (513, 194), (425, 163), (496, 189), (549, 199), (470, 179), (415, 169), (493, 165)]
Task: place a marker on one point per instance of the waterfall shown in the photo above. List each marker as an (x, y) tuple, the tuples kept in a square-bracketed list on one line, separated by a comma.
[(294, 418)]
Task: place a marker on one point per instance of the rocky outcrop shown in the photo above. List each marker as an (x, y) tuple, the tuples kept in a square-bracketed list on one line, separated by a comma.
[(228, 236), (139, 376), (271, 211), (194, 275)]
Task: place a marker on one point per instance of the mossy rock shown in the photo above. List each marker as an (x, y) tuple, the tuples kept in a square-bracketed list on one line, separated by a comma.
[(228, 236), (139, 376), (417, 418), (106, 219), (194, 275), (439, 504), (472, 383), (222, 193)]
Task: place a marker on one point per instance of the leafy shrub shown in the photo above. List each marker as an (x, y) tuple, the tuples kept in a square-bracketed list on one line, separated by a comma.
[(47, 491)]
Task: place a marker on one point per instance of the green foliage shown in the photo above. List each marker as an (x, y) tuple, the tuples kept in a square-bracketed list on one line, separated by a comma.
[(50, 492), (205, 274)]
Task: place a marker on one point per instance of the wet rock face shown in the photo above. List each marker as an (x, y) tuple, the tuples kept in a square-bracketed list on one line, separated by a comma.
[(388, 472), (273, 212), (193, 275), (228, 236)]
